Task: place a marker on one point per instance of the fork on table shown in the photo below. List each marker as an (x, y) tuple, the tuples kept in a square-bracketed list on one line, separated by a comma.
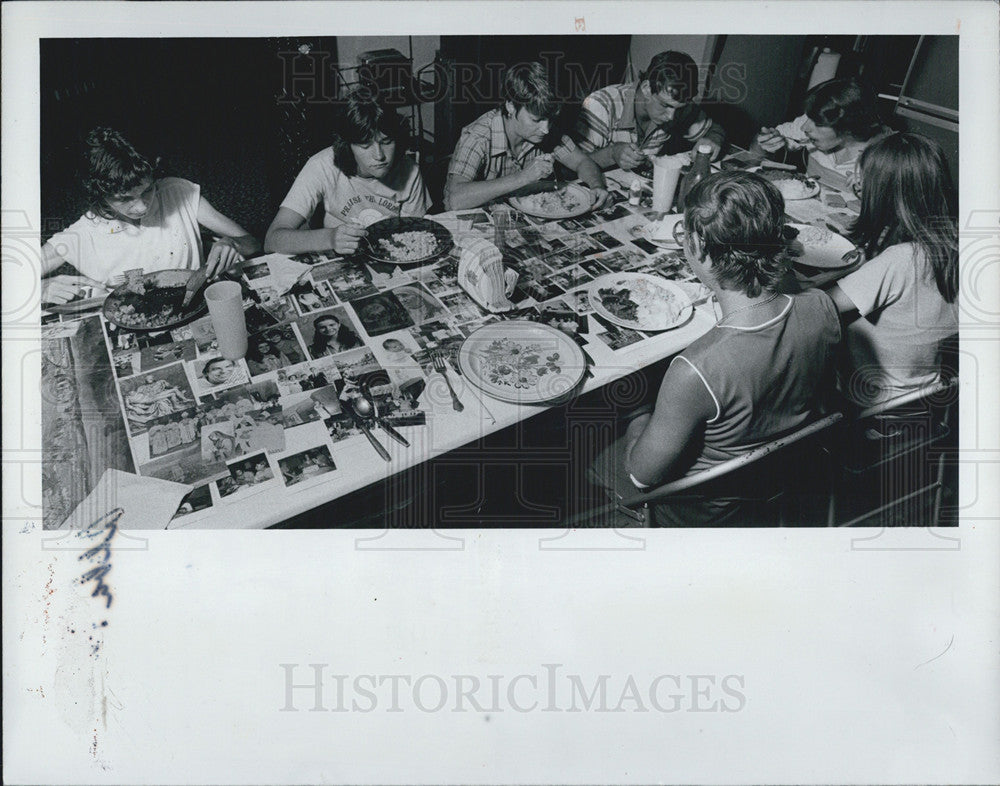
[(441, 366)]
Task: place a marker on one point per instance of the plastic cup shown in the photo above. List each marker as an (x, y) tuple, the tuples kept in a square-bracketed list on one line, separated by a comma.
[(666, 174), (225, 307)]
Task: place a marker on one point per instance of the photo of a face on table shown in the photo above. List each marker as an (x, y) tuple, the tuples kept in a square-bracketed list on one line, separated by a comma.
[(641, 215)]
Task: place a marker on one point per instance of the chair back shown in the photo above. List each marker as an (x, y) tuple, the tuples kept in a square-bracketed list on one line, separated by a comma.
[(727, 468), (719, 476)]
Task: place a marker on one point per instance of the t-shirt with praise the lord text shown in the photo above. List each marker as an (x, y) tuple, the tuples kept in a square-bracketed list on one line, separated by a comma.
[(351, 199)]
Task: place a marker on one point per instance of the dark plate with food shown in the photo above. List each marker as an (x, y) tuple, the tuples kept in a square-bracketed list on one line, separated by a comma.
[(406, 240), (153, 301)]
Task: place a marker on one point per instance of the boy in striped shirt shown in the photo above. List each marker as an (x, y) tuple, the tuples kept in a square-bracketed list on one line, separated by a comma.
[(623, 125)]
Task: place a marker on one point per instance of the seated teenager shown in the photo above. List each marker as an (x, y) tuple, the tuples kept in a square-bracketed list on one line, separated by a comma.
[(623, 125), (763, 371), (902, 303), (501, 152), (839, 122), (363, 177), (136, 220)]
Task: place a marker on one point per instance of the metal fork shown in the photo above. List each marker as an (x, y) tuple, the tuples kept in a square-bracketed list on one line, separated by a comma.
[(441, 366)]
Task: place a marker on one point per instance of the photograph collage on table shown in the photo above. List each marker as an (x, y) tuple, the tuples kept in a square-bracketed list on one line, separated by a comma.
[(322, 326)]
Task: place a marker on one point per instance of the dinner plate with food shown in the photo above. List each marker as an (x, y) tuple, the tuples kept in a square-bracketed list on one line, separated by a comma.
[(567, 201), (406, 240), (640, 301), (153, 301), (819, 247), (522, 362), (792, 185)]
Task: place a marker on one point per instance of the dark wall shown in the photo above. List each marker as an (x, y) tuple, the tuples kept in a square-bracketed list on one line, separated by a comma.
[(209, 107), (753, 83), (578, 65)]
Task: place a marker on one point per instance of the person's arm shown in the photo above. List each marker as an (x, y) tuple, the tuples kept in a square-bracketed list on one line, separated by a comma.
[(623, 155), (704, 130), (286, 235), (845, 306), (417, 201), (461, 193), (659, 446), (877, 283), (776, 143), (593, 134), (61, 289), (570, 156), (234, 243)]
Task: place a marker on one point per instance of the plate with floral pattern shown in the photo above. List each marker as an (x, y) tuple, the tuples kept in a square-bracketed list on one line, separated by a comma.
[(522, 362)]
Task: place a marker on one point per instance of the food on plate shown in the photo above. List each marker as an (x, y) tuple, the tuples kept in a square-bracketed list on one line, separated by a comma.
[(792, 185), (813, 236), (409, 246), (145, 306), (642, 302), (562, 201)]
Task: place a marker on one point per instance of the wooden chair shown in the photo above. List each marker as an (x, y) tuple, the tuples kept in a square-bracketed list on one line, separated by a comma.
[(894, 459), (766, 508)]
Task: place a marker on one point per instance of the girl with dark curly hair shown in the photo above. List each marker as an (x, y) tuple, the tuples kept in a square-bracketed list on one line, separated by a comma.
[(137, 219)]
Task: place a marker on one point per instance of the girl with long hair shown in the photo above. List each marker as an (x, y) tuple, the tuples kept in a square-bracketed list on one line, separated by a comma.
[(900, 305)]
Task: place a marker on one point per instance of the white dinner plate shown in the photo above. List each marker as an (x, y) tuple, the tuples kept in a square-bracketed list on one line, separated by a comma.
[(522, 362), (792, 185), (821, 248), (572, 201), (640, 301)]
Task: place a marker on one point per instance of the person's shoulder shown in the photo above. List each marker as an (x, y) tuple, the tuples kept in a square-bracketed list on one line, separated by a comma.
[(704, 344), (899, 259), (482, 125), (322, 163), (606, 93), (817, 305), (407, 169), (176, 184), (900, 253)]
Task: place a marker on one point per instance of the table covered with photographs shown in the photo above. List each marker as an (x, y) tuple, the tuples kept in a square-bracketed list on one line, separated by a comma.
[(265, 438)]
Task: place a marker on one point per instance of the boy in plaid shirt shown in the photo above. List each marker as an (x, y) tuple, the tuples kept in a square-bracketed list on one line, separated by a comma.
[(500, 152)]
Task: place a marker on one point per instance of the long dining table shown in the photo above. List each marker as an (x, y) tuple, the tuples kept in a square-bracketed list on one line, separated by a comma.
[(275, 438)]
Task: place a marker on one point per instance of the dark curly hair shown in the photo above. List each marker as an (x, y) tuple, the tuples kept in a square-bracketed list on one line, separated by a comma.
[(846, 106), (113, 167), (358, 120), (738, 216), (527, 85)]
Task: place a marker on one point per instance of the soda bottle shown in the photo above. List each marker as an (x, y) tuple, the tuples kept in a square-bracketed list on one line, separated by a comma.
[(698, 172)]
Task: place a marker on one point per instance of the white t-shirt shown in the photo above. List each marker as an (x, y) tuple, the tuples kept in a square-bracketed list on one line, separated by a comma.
[(351, 197), (166, 238), (893, 347)]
